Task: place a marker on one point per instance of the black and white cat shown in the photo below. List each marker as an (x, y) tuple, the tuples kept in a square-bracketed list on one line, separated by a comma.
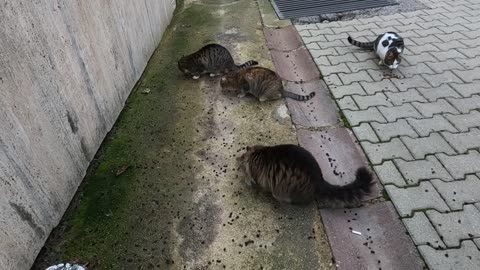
[(388, 46)]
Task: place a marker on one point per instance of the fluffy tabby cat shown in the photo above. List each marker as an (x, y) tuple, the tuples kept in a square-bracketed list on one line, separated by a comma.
[(292, 175), (213, 59), (260, 82), (388, 46)]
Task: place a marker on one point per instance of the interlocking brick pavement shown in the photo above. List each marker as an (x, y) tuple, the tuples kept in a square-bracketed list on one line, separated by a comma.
[(420, 131)]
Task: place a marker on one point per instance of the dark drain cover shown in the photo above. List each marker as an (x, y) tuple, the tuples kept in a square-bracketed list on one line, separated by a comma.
[(288, 9)]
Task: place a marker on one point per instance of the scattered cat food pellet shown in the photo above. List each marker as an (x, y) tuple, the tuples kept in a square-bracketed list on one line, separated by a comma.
[(356, 232)]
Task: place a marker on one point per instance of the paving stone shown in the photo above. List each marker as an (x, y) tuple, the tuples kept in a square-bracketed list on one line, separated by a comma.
[(378, 152), (453, 28), (369, 115), (465, 105), (456, 226), (347, 103), (415, 171), (321, 31), (380, 74), (346, 90), (337, 59), (423, 196), (471, 52), (439, 79), (434, 124), (323, 52), (462, 142), (468, 75), (426, 32), (440, 67), (465, 121), (346, 29), (383, 235), (431, 25), (422, 231), (365, 26), (407, 28), (420, 147), (434, 17), (312, 46), (428, 39), (332, 79), (467, 89), (420, 68), (470, 163), (413, 60), (378, 99), (308, 40), (330, 69), (394, 129), (423, 48), (435, 107), (397, 112), (460, 192), (321, 60), (409, 95), (389, 174), (374, 87), (295, 65), (472, 34), (469, 63), (320, 111), (361, 76), (283, 39), (363, 56), (467, 257), (413, 82), (302, 27), (364, 132), (337, 155), (442, 91), (364, 65), (451, 45), (450, 37), (334, 37)]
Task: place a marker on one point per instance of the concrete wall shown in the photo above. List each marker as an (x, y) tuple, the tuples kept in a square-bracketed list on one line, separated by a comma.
[(66, 69)]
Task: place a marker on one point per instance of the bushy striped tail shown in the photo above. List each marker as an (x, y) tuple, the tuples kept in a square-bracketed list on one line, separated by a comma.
[(297, 96), (366, 45), (248, 64)]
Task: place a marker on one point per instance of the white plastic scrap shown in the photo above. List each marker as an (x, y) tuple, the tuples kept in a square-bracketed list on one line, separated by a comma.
[(356, 232), (66, 266)]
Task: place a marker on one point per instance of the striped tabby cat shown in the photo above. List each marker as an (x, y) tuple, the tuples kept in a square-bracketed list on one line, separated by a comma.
[(213, 59), (260, 82), (388, 46), (292, 175)]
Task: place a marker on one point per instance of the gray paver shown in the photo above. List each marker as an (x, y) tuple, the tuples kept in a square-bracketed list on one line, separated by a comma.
[(462, 142), (378, 99), (347, 103), (364, 132), (374, 87), (435, 107), (442, 91), (394, 129), (329, 69), (346, 90), (467, 257), (413, 82), (467, 89), (470, 163), (422, 231), (469, 63), (398, 98), (337, 59), (457, 193), (419, 58), (429, 168), (456, 226), (397, 112), (365, 65), (389, 174), (361, 76), (434, 124), (439, 79), (465, 105), (468, 75), (465, 121), (420, 147), (369, 115), (440, 67), (378, 152), (332, 79), (420, 68), (421, 197)]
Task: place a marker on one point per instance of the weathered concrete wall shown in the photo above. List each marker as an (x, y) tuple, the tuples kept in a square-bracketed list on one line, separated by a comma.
[(66, 69)]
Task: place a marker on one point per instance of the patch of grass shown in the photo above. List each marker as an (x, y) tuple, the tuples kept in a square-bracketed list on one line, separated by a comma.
[(345, 122), (385, 195)]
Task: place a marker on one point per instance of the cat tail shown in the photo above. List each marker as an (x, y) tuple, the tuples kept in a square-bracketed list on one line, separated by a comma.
[(349, 194), (247, 64), (366, 45), (297, 96)]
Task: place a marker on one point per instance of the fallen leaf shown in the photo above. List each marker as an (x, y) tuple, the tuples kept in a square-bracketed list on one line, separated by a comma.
[(122, 169)]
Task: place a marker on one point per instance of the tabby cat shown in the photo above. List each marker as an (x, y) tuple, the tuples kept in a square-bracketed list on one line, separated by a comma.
[(260, 82), (213, 59), (388, 46), (292, 175)]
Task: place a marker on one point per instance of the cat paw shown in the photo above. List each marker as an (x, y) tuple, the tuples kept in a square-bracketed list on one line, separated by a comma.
[(196, 77)]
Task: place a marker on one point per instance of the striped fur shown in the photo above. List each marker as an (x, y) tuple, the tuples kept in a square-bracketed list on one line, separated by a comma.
[(291, 174), (260, 82), (388, 46), (213, 59)]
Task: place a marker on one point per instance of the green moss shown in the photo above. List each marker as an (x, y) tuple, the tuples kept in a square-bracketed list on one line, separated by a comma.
[(344, 120), (385, 195)]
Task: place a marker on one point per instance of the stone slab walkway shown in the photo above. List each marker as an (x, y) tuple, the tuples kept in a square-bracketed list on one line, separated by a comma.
[(419, 126)]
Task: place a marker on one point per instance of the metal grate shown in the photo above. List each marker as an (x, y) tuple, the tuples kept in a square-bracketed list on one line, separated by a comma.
[(289, 9)]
